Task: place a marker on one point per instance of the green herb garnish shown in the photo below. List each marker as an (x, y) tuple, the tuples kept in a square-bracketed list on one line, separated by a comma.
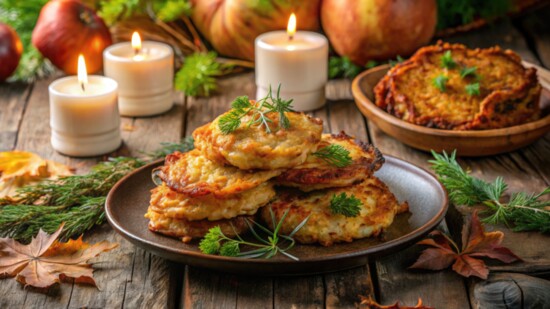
[(472, 89), (185, 145), (198, 74), (447, 60), (440, 82), (344, 205), (335, 155), (525, 211), (393, 63), (468, 71), (242, 106), (215, 241)]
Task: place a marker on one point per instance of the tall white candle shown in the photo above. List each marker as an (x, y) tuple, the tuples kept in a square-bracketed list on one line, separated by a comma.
[(144, 74), (297, 61), (84, 115)]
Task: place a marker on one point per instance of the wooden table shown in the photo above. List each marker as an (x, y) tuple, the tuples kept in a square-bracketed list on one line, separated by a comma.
[(133, 278)]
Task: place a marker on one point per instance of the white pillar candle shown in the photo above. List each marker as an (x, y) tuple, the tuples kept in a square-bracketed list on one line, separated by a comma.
[(85, 121), (144, 74), (298, 62)]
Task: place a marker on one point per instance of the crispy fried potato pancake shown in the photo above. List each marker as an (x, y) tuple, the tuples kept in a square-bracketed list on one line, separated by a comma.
[(160, 223), (509, 93), (180, 206), (251, 147), (316, 173), (379, 208), (194, 175)]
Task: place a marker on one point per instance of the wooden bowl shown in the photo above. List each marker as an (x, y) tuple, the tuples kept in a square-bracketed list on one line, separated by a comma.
[(467, 143)]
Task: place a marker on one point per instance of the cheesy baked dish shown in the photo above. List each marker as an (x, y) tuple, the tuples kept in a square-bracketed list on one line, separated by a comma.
[(261, 157), (448, 86)]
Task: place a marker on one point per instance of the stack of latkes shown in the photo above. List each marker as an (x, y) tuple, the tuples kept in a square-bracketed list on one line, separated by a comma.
[(229, 176)]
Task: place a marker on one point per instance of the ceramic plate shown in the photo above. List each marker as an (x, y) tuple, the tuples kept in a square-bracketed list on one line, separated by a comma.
[(467, 143), (128, 201)]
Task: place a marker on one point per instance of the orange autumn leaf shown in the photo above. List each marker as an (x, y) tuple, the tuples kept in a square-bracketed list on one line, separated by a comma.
[(45, 261), (19, 168), (369, 303), (475, 243)]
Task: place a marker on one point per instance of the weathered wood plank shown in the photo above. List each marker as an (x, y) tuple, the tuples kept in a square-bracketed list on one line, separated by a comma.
[(127, 275), (344, 288), (537, 29), (13, 100), (299, 292)]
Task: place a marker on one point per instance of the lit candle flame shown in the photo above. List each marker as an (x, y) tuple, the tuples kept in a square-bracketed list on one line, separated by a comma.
[(291, 28), (82, 73), (136, 43)]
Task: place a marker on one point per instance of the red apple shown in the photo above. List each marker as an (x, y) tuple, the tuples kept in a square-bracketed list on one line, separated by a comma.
[(367, 30), (232, 25), (67, 28), (10, 51)]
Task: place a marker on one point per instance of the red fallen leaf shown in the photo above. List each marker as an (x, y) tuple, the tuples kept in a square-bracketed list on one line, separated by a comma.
[(475, 243), (369, 303), (46, 261)]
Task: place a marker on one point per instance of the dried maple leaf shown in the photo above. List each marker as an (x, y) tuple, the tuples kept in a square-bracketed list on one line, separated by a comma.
[(369, 303), (475, 243), (45, 261), (19, 168)]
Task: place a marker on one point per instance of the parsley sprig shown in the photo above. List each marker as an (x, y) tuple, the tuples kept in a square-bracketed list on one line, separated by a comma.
[(242, 106), (440, 82), (335, 155), (216, 242), (344, 205), (468, 71), (473, 89), (447, 60), (526, 212)]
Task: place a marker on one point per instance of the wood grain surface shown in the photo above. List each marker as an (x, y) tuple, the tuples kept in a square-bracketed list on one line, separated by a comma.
[(129, 277)]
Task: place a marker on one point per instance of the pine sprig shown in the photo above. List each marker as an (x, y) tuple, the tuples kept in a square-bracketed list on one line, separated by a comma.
[(526, 212), (344, 205), (198, 74), (242, 106), (269, 243), (335, 155)]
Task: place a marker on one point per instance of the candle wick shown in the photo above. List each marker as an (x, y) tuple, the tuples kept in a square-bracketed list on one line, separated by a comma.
[(83, 87), (136, 51), (290, 37)]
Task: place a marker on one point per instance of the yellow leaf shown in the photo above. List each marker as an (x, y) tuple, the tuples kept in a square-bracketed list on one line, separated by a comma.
[(19, 168)]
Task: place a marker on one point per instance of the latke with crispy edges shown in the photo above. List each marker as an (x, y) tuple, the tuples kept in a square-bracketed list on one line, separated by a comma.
[(194, 175), (180, 206), (252, 147), (316, 173), (379, 207)]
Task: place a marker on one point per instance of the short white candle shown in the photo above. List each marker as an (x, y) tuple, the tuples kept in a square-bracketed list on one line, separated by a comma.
[(298, 62), (144, 74), (84, 115)]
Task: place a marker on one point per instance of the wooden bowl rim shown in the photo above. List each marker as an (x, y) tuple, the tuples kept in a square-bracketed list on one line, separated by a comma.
[(361, 98)]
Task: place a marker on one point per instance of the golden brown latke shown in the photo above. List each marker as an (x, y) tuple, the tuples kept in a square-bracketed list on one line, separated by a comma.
[(378, 210), (315, 173), (180, 206), (194, 175), (160, 223), (251, 147), (509, 93)]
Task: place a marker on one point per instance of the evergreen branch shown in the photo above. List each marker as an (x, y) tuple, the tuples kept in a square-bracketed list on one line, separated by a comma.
[(526, 212)]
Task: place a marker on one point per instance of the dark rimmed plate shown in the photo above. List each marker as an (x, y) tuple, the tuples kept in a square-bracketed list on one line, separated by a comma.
[(128, 201)]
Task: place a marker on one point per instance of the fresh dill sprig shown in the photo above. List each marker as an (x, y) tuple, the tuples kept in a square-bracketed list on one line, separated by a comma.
[(473, 89), (242, 106), (198, 74), (216, 242), (335, 155), (447, 60), (440, 82), (185, 145), (344, 205), (526, 212)]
